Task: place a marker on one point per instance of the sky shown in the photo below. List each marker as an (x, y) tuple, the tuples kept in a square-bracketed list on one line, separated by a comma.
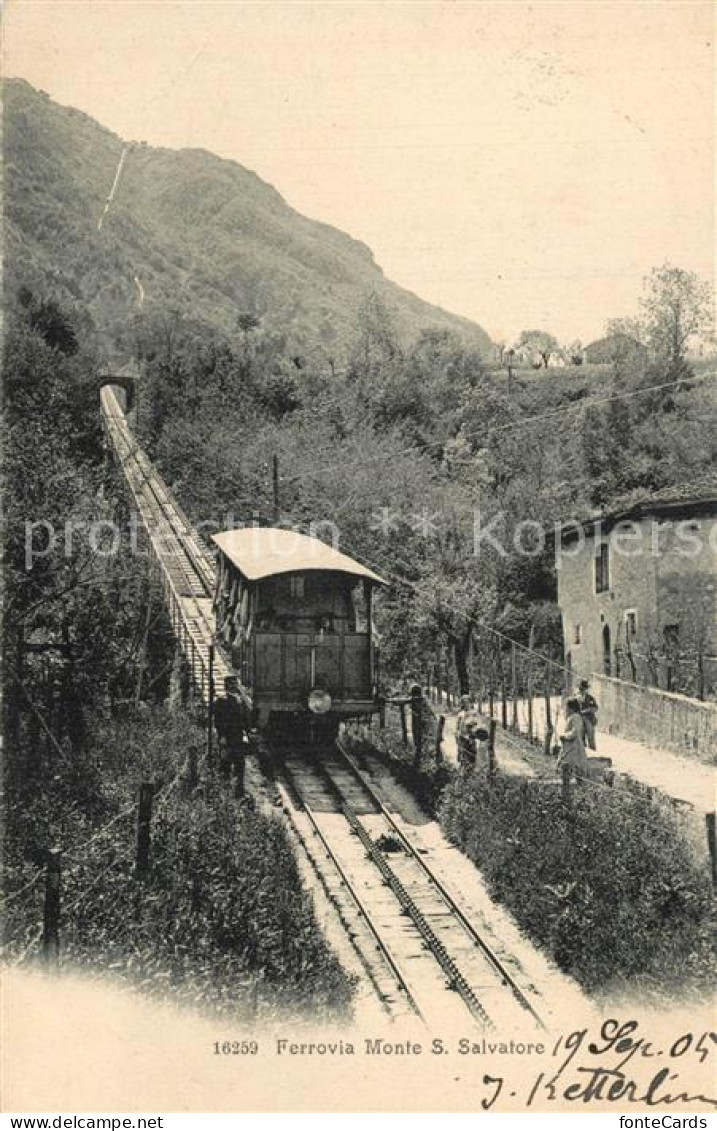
[(523, 164)]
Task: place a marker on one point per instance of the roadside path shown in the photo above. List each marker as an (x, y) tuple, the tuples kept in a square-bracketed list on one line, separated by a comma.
[(685, 779)]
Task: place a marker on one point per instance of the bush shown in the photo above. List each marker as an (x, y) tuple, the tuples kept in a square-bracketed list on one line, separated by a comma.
[(222, 919), (609, 885)]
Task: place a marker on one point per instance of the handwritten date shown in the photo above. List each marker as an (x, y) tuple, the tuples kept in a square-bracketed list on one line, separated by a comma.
[(620, 1064)]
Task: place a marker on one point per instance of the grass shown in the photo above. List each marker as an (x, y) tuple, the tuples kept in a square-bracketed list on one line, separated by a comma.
[(221, 920)]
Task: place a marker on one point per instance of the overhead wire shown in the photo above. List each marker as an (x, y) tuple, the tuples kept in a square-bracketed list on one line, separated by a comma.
[(576, 406), (572, 673)]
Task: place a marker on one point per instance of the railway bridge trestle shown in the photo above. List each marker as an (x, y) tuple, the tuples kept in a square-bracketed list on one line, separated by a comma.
[(184, 564)]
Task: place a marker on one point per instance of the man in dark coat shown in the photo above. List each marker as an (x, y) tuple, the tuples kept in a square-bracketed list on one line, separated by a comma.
[(466, 723), (231, 719), (588, 710), (423, 722)]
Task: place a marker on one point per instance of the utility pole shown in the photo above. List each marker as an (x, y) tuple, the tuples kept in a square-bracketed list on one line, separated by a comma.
[(51, 913), (144, 828), (275, 483)]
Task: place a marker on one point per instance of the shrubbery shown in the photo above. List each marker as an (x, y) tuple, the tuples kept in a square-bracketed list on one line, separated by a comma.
[(221, 921), (609, 885), (612, 887)]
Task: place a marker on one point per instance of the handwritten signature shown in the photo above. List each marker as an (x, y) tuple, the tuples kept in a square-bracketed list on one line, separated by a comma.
[(619, 1064)]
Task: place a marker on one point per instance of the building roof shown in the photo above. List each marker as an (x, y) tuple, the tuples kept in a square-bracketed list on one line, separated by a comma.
[(260, 552), (683, 499)]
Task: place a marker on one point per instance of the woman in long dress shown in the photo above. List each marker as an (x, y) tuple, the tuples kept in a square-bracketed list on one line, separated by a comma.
[(573, 740)]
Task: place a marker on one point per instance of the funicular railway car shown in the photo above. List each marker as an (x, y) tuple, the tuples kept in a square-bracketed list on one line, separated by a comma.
[(295, 617)]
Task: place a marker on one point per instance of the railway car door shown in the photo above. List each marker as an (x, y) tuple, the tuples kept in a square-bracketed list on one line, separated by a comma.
[(268, 663), (357, 645), (328, 663)]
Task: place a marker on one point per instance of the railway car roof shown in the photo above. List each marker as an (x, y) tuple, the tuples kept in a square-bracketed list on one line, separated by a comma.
[(260, 552)]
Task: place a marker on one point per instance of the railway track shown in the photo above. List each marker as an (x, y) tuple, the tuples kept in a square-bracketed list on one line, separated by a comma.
[(421, 954), (431, 961), (185, 567)]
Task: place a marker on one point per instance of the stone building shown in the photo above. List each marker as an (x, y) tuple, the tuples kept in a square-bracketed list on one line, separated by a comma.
[(638, 592)]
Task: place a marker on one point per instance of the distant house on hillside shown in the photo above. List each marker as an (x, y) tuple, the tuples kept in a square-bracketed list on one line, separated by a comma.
[(615, 347), (524, 356), (638, 592)]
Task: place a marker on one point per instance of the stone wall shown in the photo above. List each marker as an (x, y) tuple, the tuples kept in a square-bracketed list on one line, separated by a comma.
[(657, 718), (633, 585), (660, 575)]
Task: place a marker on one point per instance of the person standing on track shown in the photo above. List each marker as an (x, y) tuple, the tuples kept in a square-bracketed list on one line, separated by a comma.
[(231, 719), (588, 710)]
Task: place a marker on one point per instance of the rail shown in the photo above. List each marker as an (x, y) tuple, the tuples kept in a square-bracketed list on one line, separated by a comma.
[(359, 903), (489, 953), (186, 569), (450, 968)]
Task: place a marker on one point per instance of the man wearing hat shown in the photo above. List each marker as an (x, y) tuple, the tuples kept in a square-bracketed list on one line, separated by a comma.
[(231, 719), (466, 724), (588, 710)]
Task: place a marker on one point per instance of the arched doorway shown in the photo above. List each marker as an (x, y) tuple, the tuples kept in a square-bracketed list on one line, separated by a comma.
[(606, 653)]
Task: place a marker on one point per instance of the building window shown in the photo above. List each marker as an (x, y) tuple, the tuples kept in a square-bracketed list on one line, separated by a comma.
[(671, 635), (297, 587), (631, 624), (578, 634), (602, 568)]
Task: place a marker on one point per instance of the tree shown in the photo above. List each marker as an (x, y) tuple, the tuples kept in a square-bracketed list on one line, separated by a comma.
[(248, 322), (455, 593), (376, 347), (540, 341), (68, 610), (51, 322), (630, 328), (676, 308), (575, 352)]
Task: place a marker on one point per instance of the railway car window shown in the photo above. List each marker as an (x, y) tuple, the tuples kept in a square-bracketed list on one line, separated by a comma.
[(359, 609), (245, 606), (297, 587)]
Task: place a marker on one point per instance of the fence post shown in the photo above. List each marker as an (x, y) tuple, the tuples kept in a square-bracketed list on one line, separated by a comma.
[(529, 688), (439, 737), (382, 714), (711, 824), (566, 786), (210, 707), (144, 827), (192, 768), (514, 688), (492, 765), (404, 727), (548, 713), (51, 910)]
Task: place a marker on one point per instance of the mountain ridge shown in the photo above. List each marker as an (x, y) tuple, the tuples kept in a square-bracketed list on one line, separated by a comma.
[(202, 232)]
